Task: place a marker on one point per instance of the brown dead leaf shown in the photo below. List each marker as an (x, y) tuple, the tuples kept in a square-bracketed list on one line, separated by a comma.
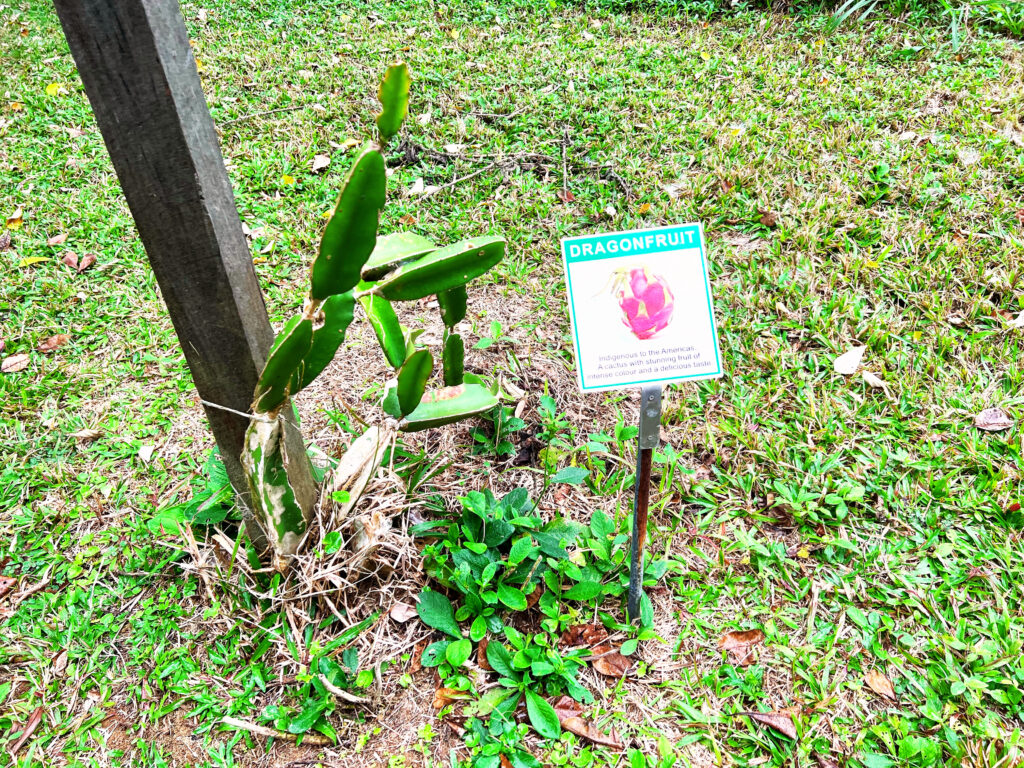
[(610, 662), (565, 195), (5, 241), (1020, 217), (86, 435), (580, 635), (54, 342), (57, 239), (320, 162), (533, 597), (416, 664), (59, 663), (569, 711), (739, 646), (445, 696), (993, 420), (880, 684), (33, 722), (87, 261), (14, 363), (481, 656), (505, 762), (778, 721), (408, 220), (769, 218), (6, 585), (71, 259), (402, 612)]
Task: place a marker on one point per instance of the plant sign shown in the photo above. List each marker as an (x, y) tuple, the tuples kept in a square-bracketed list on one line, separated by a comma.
[(640, 306)]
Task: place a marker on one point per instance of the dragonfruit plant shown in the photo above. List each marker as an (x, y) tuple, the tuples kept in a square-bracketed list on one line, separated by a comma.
[(645, 299), (355, 265)]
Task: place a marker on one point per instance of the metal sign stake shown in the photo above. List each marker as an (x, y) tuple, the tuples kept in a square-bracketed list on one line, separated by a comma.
[(647, 441)]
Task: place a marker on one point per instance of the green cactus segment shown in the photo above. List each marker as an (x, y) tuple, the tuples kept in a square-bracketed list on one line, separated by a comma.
[(271, 495), (394, 250), (446, 268), (385, 325), (453, 358), (453, 305), (443, 406), (394, 97), (412, 380), (338, 311), (285, 361), (351, 234)]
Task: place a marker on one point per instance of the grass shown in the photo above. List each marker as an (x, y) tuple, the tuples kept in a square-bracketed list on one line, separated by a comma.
[(860, 528)]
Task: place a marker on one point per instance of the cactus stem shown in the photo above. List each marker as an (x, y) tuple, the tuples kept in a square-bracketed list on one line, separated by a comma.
[(311, 308)]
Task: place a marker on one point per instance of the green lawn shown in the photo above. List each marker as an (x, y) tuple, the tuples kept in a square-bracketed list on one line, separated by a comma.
[(863, 187)]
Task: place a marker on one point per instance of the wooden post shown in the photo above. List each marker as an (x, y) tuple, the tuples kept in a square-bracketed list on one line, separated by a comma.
[(138, 70)]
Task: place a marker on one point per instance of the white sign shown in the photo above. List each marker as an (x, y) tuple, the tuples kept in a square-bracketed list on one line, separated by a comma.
[(640, 304)]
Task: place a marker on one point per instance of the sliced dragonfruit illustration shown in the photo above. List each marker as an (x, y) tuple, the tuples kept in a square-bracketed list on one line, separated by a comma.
[(645, 299)]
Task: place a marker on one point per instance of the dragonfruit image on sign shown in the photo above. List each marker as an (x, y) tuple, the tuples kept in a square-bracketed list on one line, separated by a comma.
[(645, 299)]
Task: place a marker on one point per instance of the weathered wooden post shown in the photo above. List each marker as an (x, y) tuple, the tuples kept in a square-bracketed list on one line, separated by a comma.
[(138, 70)]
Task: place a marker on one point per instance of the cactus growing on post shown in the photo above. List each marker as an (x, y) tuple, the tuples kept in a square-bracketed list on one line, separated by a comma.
[(355, 264)]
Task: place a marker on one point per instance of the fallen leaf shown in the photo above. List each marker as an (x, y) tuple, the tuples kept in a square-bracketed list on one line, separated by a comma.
[(14, 363), (779, 721), (71, 259), (739, 646), (872, 380), (565, 195), (643, 209), (146, 452), (533, 597), (609, 662), (402, 612), (481, 656), (610, 211), (848, 362), (993, 420), (6, 585), (5, 241), (320, 162), (86, 435), (580, 635), (407, 220), (445, 696), (287, 179), (57, 239), (87, 261), (505, 762), (55, 89), (417, 656), (454, 149), (30, 260), (53, 342), (880, 684), (15, 220), (416, 189), (569, 711), (33, 722), (16, 106), (59, 663), (769, 218), (825, 762)]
